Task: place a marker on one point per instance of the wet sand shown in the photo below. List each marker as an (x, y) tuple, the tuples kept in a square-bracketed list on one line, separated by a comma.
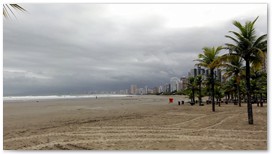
[(130, 123)]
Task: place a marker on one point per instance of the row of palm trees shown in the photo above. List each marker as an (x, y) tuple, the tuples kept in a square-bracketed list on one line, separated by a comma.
[(246, 49)]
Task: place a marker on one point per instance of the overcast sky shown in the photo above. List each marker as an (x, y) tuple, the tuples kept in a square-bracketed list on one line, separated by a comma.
[(77, 48)]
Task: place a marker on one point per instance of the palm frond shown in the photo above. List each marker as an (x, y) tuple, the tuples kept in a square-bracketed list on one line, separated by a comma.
[(255, 20), (235, 40), (8, 9), (259, 40), (239, 26), (18, 7)]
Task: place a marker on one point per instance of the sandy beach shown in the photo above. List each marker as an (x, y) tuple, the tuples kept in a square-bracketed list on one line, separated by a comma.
[(130, 123)]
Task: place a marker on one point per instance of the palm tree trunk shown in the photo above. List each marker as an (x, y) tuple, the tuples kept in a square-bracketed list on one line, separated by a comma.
[(193, 95), (199, 98), (261, 100), (228, 96), (212, 83), (249, 105), (238, 91)]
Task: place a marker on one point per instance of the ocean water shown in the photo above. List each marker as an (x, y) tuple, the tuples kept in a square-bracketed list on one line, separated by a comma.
[(8, 98)]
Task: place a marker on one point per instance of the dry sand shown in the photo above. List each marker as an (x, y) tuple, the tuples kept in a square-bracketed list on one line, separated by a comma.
[(131, 123)]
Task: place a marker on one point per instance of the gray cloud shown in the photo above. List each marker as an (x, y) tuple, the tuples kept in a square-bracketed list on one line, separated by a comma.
[(76, 48)]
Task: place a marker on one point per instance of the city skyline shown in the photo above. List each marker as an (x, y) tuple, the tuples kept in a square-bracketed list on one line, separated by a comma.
[(175, 84), (77, 48)]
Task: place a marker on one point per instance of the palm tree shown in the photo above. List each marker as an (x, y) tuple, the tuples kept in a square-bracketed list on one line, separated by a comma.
[(7, 9), (229, 89), (192, 87), (234, 68), (250, 48), (258, 84), (211, 60), (199, 82), (218, 93)]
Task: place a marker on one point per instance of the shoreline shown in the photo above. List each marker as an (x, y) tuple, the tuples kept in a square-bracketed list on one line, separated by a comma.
[(56, 97)]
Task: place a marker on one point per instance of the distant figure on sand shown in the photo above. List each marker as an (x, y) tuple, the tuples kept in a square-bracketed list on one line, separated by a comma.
[(95, 97)]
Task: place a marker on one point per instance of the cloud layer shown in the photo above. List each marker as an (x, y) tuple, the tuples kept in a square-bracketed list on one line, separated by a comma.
[(77, 48)]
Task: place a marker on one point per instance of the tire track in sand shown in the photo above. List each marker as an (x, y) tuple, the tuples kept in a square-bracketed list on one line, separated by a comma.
[(115, 134), (63, 145)]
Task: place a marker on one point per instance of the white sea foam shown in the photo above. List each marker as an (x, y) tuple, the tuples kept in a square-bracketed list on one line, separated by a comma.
[(7, 98)]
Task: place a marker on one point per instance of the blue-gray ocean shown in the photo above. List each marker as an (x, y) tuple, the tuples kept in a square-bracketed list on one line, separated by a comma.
[(23, 98)]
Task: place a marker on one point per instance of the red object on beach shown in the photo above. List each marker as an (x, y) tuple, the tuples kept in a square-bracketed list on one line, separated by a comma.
[(171, 100)]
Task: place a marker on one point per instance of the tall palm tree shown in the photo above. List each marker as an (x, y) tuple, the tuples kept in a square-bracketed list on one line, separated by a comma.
[(251, 49), (8, 8), (234, 68), (211, 60)]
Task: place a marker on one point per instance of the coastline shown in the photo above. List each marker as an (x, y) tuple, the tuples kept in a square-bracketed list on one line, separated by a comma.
[(56, 97)]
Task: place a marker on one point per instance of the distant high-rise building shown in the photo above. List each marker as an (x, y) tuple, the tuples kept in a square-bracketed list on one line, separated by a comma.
[(141, 91), (146, 89), (160, 89), (201, 71), (174, 82), (166, 88), (193, 72), (133, 89), (218, 76), (180, 86), (184, 82), (196, 71), (207, 72)]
